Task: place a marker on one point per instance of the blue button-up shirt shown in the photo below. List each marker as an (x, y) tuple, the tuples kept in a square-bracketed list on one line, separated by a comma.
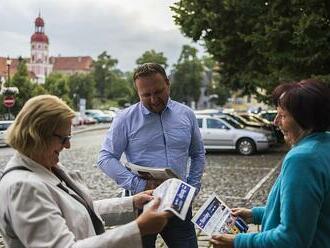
[(157, 140)]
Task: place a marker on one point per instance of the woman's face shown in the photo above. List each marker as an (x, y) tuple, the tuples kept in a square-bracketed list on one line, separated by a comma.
[(291, 130), (59, 140)]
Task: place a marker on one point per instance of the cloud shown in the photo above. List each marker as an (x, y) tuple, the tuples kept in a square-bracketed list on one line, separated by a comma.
[(123, 28)]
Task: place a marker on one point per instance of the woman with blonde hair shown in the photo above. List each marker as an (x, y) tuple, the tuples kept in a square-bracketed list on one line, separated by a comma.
[(42, 206)]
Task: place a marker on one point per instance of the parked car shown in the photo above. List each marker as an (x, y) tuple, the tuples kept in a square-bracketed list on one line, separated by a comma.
[(248, 123), (258, 118), (111, 113), (3, 130), (88, 120), (218, 134), (208, 112), (98, 115), (268, 114), (272, 138), (77, 120)]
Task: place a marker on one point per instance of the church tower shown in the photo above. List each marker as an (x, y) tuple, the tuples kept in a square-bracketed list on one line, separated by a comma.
[(39, 61)]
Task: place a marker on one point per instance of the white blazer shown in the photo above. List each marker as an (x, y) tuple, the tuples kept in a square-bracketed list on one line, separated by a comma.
[(35, 212)]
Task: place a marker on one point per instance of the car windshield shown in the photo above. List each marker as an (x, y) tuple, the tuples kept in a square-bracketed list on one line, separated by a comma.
[(232, 122), (251, 118), (269, 116)]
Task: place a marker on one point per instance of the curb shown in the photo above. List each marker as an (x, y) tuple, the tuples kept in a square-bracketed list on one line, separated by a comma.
[(92, 128)]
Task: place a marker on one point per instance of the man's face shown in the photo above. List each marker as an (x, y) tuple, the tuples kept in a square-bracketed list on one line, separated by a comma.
[(153, 92)]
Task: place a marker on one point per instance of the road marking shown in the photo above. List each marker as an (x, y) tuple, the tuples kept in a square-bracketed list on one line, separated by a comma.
[(258, 185), (261, 182)]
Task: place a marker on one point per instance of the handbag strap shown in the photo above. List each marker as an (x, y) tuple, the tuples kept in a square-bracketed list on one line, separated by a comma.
[(14, 168), (98, 225)]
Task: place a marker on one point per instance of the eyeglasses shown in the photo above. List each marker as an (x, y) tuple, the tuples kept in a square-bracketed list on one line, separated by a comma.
[(64, 139)]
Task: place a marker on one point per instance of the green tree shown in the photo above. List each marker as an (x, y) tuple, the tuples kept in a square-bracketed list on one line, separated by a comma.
[(187, 76), (152, 56), (103, 73), (81, 86), (133, 96), (260, 43), (26, 88), (57, 84)]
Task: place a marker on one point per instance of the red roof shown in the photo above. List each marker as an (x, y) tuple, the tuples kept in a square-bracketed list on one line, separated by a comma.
[(59, 64), (4, 68), (39, 37), (13, 67), (39, 22), (71, 63)]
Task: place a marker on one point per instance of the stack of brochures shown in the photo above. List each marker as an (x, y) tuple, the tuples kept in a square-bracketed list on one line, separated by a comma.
[(151, 172), (214, 217), (176, 196)]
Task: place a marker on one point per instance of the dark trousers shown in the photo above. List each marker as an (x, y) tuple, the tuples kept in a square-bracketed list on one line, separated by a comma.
[(176, 234)]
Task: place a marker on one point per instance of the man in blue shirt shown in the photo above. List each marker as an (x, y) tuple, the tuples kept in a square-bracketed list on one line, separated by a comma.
[(156, 132)]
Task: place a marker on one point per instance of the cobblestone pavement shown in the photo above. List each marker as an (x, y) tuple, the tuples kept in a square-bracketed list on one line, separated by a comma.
[(236, 179)]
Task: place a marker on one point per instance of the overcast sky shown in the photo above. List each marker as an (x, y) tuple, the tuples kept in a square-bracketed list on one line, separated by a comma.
[(123, 28)]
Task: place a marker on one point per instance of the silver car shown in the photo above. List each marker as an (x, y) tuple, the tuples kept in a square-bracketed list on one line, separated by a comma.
[(218, 134), (3, 129)]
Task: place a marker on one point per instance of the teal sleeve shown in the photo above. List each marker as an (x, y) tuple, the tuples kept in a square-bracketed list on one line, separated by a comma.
[(301, 198), (257, 214)]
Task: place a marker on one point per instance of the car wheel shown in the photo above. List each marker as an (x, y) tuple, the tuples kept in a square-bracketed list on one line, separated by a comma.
[(246, 146)]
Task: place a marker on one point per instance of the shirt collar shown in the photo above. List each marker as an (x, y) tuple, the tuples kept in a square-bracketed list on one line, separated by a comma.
[(146, 111)]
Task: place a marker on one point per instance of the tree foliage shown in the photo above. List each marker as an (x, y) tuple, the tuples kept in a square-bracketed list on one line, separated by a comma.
[(57, 84), (260, 43), (27, 89), (103, 73), (152, 57), (81, 86), (187, 76), (122, 89)]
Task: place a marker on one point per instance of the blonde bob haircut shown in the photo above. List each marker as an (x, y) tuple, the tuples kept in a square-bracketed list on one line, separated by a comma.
[(36, 123)]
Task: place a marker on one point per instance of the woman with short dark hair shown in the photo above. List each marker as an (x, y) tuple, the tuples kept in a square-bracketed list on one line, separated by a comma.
[(297, 212)]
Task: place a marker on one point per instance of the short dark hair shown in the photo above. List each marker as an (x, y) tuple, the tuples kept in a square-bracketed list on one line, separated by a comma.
[(308, 101), (149, 69)]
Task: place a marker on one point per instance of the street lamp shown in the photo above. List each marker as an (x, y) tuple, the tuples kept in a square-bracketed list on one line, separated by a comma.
[(8, 90), (8, 62)]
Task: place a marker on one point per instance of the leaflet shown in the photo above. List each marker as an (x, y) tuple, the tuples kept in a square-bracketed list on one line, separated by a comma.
[(150, 172), (176, 196), (215, 217)]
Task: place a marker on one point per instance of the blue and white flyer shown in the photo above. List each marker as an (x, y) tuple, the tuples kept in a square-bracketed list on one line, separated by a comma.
[(215, 217), (176, 196)]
